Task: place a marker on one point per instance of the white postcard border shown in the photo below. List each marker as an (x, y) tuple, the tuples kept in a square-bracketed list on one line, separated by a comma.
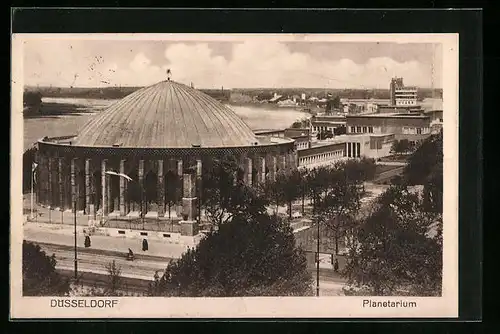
[(252, 307)]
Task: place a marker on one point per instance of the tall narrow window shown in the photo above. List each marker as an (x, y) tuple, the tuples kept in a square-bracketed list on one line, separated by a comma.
[(370, 129)]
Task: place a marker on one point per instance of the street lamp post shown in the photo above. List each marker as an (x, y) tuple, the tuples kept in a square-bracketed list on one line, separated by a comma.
[(142, 204), (76, 258)]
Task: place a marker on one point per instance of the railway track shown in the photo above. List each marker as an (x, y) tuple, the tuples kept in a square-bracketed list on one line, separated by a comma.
[(132, 286), (93, 261)]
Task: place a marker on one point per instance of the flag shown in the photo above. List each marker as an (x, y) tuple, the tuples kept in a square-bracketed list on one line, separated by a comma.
[(34, 165), (110, 172)]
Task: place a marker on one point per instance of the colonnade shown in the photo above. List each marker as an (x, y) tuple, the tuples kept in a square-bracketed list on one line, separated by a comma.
[(321, 157), (82, 184), (353, 150)]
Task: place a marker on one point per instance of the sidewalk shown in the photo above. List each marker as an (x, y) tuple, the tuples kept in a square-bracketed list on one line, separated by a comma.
[(65, 237)]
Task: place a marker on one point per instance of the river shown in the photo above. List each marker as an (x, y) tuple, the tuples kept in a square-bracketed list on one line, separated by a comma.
[(70, 122)]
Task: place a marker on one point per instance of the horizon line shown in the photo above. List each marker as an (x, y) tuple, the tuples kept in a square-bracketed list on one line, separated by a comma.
[(219, 88)]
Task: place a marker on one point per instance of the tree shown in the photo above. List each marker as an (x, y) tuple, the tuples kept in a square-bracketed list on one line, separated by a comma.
[(225, 195), (39, 274), (340, 205), (32, 99), (340, 130), (112, 288), (332, 104), (360, 171), (302, 186), (425, 167), (400, 147), (114, 278), (272, 191), (29, 157), (288, 186), (318, 181), (324, 135), (247, 256), (398, 248), (218, 184)]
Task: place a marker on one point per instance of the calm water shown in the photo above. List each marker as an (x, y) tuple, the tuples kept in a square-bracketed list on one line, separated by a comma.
[(52, 126)]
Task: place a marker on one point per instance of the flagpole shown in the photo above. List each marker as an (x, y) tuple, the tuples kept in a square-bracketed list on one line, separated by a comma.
[(32, 173)]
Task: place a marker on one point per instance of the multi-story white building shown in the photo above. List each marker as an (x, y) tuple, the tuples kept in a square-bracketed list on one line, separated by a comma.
[(405, 96), (400, 95)]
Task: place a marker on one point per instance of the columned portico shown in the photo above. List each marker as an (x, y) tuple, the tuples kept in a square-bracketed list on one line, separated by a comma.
[(88, 188), (104, 188), (248, 171), (161, 189), (263, 169), (180, 173), (123, 182)]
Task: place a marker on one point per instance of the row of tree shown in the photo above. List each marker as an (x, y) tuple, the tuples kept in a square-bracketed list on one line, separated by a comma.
[(224, 193)]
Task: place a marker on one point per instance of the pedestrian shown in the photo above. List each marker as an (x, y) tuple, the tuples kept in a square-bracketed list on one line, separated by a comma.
[(336, 265), (87, 241), (130, 255), (144, 245)]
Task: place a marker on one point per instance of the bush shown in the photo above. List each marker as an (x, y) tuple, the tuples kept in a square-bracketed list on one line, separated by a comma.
[(248, 256)]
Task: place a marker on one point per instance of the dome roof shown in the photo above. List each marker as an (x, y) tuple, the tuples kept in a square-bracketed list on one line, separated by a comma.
[(167, 114)]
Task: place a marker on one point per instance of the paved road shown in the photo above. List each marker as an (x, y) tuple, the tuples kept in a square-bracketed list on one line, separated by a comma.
[(89, 261)]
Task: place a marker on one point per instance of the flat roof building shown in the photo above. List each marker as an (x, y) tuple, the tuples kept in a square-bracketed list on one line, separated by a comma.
[(403, 126)]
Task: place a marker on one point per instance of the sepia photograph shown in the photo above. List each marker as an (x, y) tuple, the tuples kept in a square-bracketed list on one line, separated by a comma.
[(236, 167)]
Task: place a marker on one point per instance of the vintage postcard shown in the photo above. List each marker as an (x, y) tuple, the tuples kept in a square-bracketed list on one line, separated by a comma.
[(234, 176)]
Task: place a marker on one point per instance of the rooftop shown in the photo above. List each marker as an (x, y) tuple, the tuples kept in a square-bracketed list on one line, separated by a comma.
[(166, 115), (388, 115)]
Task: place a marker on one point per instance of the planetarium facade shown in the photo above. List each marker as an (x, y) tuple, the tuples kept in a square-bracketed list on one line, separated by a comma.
[(145, 154)]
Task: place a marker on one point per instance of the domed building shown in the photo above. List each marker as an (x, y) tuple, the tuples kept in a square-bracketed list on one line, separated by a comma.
[(145, 153)]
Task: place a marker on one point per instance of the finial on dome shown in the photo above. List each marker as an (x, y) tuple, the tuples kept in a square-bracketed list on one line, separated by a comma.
[(169, 74)]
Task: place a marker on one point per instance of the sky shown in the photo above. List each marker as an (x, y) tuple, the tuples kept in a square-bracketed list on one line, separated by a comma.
[(230, 64)]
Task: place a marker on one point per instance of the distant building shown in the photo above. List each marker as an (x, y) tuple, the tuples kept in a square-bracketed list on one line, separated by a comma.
[(302, 137), (321, 154), (327, 122), (276, 98), (387, 109), (403, 126), (401, 95), (287, 103)]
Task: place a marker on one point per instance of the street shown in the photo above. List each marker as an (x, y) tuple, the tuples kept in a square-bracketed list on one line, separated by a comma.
[(89, 261)]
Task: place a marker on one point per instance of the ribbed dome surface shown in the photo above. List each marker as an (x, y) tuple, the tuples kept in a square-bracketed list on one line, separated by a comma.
[(167, 114)]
